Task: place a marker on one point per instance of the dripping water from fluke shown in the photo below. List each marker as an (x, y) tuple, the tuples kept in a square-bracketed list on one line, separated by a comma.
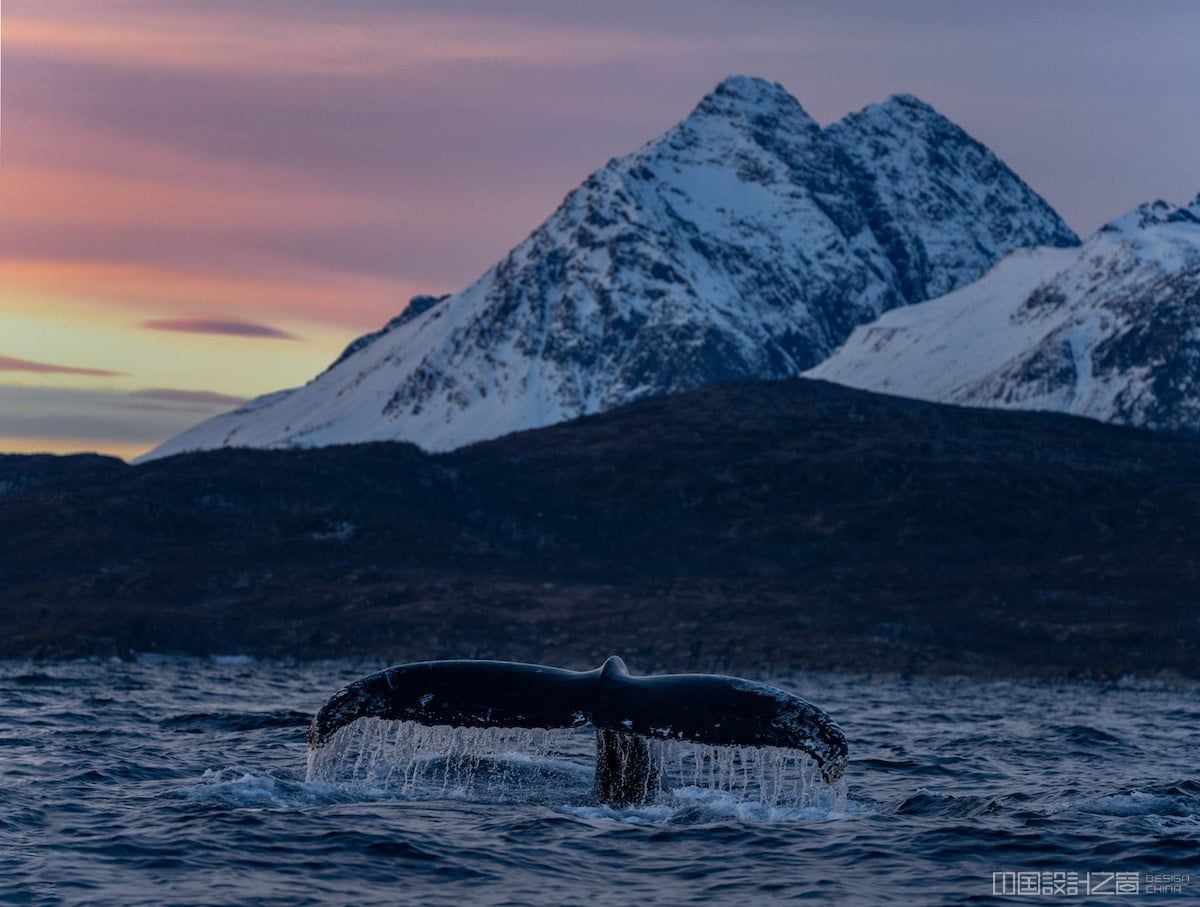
[(410, 760), (771, 776)]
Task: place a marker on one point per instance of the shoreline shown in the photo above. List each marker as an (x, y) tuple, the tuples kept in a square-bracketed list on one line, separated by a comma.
[(31, 668)]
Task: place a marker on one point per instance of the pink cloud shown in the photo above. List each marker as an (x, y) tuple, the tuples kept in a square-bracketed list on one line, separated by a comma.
[(218, 326), (12, 364)]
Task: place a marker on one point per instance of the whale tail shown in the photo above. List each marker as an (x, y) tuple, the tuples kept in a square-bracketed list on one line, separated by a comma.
[(626, 710)]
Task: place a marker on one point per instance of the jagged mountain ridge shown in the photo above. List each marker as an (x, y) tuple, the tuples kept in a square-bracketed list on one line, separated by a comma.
[(1108, 330), (746, 242)]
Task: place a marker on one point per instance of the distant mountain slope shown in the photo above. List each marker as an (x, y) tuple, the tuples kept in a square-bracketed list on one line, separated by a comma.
[(758, 523), (1108, 330), (744, 243)]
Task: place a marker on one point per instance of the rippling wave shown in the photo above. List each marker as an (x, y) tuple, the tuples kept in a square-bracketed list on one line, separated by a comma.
[(186, 781)]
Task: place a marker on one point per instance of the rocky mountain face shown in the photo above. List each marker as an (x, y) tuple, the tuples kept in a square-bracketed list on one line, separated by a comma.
[(746, 242), (1109, 330)]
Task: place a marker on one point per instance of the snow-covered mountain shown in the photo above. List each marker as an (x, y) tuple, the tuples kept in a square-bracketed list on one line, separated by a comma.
[(1109, 330), (746, 242)]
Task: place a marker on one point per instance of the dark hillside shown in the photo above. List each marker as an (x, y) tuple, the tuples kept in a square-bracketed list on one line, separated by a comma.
[(790, 522)]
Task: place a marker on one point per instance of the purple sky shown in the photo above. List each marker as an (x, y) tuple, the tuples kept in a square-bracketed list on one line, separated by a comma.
[(304, 166)]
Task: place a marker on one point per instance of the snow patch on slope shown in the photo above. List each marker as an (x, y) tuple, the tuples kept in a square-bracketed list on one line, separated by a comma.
[(1108, 330)]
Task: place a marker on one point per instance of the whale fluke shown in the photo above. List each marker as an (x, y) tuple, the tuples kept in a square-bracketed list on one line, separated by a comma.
[(624, 709)]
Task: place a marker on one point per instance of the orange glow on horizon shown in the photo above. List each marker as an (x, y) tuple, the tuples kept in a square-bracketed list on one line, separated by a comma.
[(59, 446)]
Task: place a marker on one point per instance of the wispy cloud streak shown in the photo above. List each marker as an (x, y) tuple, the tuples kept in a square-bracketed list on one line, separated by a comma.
[(218, 326), (12, 364), (64, 419), (175, 395), (366, 39)]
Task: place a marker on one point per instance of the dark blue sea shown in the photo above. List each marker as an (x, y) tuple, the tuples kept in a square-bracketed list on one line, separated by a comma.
[(163, 782)]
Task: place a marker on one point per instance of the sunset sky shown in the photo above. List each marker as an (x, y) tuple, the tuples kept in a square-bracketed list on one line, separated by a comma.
[(206, 200)]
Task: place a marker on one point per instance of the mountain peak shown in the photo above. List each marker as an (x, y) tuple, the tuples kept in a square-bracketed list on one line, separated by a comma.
[(885, 116), (749, 97), (925, 169), (909, 102), (745, 242), (1153, 214), (750, 86)]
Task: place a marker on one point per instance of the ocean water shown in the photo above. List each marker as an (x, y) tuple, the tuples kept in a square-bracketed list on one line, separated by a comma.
[(188, 782)]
